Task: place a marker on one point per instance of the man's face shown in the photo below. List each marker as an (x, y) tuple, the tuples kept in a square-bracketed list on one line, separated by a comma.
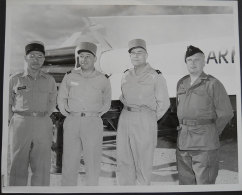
[(195, 63), (86, 60), (138, 56), (35, 60)]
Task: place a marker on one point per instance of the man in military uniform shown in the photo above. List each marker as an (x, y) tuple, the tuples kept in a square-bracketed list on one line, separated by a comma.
[(84, 96), (32, 98), (203, 109), (145, 98)]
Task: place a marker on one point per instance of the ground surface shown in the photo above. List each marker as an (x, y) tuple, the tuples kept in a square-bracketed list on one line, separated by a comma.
[(164, 166)]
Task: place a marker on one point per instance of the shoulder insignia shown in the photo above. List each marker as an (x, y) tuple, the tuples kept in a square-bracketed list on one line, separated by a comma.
[(126, 70), (107, 76), (210, 77), (158, 71), (68, 72)]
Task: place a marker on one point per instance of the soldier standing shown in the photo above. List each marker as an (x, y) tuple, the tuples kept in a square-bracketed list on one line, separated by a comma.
[(145, 98), (32, 99), (84, 96), (203, 109)]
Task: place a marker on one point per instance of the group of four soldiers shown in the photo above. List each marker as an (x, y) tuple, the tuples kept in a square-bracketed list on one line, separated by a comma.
[(203, 110)]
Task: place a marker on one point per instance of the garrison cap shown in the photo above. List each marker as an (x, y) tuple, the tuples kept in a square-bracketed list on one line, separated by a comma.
[(136, 43), (86, 47), (191, 50), (34, 46)]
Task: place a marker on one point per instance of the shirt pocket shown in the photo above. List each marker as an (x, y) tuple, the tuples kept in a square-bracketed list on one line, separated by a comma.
[(181, 93), (95, 92), (43, 97), (146, 88), (23, 96), (200, 99)]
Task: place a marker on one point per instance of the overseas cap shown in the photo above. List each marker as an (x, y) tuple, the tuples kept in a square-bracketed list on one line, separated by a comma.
[(191, 50), (136, 43), (34, 46), (86, 47)]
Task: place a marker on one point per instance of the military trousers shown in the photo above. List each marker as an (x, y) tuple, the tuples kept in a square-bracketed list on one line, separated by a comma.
[(136, 142), (30, 145), (82, 135), (197, 166)]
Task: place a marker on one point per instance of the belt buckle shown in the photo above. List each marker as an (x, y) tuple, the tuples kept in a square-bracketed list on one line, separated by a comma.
[(34, 114), (128, 108), (83, 114)]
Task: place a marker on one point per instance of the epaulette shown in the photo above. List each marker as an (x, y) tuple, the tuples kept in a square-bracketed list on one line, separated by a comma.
[(210, 77), (107, 76), (126, 70), (158, 71), (181, 80), (16, 74)]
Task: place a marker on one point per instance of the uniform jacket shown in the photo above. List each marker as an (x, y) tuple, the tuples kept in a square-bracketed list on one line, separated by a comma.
[(79, 93), (148, 90), (206, 98)]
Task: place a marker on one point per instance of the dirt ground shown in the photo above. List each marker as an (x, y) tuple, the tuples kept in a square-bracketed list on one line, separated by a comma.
[(164, 166)]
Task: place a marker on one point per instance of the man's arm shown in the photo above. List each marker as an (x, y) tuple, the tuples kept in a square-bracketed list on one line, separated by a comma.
[(63, 96), (162, 96), (106, 97), (52, 97), (223, 107)]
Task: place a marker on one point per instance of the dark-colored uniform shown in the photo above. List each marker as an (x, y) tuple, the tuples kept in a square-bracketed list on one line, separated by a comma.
[(203, 111), (32, 102)]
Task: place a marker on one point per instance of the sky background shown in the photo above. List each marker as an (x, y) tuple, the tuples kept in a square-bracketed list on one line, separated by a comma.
[(61, 25)]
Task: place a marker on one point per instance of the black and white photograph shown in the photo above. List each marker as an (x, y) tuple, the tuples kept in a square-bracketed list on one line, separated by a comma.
[(121, 96)]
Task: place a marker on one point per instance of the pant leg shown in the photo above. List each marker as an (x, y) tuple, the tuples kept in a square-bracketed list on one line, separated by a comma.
[(184, 166), (20, 140), (91, 134), (126, 173), (40, 155), (71, 151), (143, 142), (205, 165)]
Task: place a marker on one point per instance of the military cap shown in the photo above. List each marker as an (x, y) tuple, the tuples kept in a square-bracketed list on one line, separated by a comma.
[(191, 50), (86, 47), (136, 43), (34, 46)]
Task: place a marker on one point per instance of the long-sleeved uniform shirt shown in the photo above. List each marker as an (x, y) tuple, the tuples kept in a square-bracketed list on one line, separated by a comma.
[(206, 98), (147, 89), (80, 93), (28, 94)]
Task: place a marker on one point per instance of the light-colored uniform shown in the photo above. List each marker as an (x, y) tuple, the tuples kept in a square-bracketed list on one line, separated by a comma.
[(203, 111), (83, 99), (145, 98), (32, 102)]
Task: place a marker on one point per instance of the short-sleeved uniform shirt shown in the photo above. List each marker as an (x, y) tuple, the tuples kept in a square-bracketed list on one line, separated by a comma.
[(80, 93), (34, 95), (147, 89)]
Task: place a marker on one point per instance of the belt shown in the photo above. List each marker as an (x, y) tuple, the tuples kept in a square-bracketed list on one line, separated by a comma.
[(191, 122), (84, 114), (132, 109), (28, 113)]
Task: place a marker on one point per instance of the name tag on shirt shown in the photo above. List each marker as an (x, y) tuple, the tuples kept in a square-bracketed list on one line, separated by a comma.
[(73, 83), (20, 88)]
